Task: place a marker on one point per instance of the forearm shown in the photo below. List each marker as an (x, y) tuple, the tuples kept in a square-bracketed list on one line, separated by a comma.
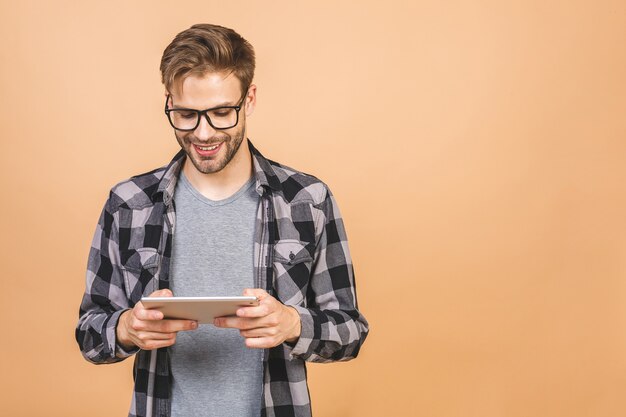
[(97, 338), (330, 335), (104, 299), (332, 328)]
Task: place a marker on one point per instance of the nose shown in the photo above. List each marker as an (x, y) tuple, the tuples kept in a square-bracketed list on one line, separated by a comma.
[(204, 130)]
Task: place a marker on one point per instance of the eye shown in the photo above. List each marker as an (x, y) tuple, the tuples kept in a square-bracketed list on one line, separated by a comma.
[(186, 114), (221, 112)]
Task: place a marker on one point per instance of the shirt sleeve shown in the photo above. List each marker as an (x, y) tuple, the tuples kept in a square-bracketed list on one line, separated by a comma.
[(104, 299), (332, 329)]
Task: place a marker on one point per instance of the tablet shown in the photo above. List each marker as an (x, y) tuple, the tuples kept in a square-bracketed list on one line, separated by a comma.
[(202, 309)]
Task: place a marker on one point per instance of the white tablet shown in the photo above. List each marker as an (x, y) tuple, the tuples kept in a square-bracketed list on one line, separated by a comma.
[(202, 309)]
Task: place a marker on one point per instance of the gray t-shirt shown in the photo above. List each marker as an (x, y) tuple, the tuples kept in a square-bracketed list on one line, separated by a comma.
[(213, 372)]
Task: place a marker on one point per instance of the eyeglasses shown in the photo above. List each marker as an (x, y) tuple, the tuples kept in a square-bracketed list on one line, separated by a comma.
[(219, 118)]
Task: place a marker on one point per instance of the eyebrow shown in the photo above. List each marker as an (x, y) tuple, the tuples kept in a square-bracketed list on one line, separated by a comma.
[(226, 104)]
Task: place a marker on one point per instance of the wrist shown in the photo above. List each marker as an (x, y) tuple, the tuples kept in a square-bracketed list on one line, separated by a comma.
[(296, 328), (121, 332)]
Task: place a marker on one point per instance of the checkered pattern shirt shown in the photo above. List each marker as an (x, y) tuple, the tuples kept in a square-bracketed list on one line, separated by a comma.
[(301, 257)]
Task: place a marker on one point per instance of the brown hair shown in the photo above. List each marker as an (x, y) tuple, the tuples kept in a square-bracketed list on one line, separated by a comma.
[(207, 48)]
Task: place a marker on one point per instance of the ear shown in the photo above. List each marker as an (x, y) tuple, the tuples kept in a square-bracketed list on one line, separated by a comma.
[(165, 94), (250, 102), (171, 93)]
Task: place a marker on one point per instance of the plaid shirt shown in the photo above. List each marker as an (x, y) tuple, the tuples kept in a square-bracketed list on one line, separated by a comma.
[(301, 257)]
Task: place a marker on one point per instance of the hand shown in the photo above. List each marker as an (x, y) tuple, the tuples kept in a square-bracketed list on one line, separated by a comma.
[(147, 329), (267, 325)]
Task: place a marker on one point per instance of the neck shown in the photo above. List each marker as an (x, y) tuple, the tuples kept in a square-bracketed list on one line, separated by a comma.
[(222, 184)]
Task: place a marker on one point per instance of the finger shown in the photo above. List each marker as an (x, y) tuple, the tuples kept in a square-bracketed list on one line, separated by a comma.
[(165, 326), (258, 311), (261, 342), (267, 304), (156, 344), (172, 326), (237, 323), (142, 313), (146, 336), (256, 292), (259, 332), (162, 293)]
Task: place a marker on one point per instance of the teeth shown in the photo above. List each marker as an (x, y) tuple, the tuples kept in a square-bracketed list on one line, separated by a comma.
[(208, 148)]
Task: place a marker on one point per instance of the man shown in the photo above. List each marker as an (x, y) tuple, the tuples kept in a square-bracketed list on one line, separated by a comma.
[(220, 219)]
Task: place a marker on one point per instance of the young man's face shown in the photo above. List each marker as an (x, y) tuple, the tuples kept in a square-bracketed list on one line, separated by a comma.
[(208, 91)]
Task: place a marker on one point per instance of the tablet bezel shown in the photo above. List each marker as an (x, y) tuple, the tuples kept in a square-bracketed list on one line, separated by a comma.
[(201, 309)]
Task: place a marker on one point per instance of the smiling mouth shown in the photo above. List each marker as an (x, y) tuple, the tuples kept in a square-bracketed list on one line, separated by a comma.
[(208, 148)]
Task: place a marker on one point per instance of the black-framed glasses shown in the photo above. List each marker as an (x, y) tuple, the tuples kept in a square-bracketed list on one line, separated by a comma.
[(219, 118)]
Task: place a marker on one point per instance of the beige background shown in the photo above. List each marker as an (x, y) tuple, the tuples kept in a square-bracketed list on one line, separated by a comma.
[(476, 149)]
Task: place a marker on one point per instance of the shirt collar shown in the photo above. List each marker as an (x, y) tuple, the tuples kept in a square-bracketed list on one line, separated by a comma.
[(264, 174)]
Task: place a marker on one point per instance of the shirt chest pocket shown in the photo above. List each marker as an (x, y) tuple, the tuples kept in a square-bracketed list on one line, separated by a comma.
[(292, 265), (140, 267)]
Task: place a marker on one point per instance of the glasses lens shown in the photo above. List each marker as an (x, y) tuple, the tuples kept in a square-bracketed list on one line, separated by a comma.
[(223, 118), (184, 119)]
